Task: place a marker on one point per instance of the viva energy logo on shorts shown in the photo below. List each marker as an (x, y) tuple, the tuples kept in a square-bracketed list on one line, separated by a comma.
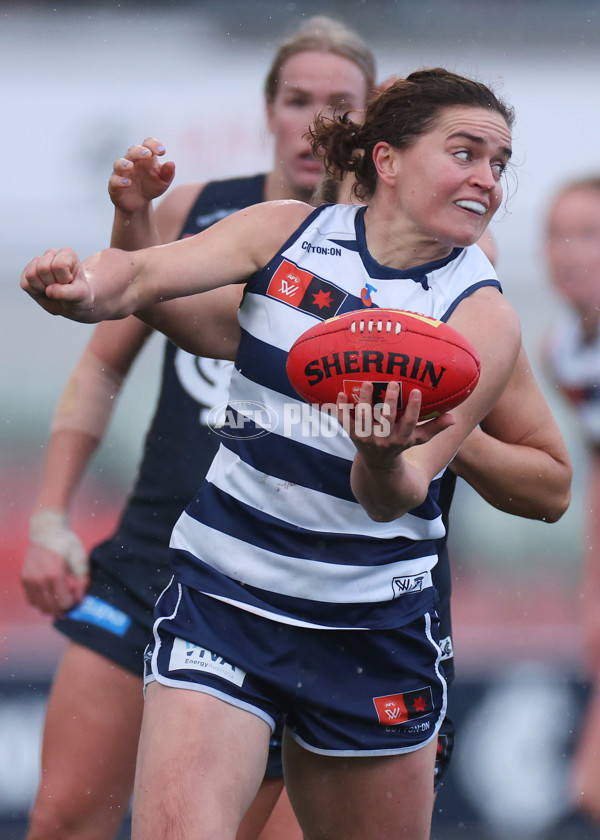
[(400, 708), (187, 656)]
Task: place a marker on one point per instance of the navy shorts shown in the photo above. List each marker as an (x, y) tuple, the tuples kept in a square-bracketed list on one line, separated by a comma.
[(340, 692), (101, 625), (109, 626)]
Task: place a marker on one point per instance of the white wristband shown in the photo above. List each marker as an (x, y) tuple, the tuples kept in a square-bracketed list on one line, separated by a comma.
[(49, 529)]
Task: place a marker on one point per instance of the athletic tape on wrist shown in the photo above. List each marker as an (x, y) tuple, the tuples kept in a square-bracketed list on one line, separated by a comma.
[(89, 397), (49, 529)]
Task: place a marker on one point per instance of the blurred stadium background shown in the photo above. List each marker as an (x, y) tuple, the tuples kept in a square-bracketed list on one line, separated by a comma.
[(82, 82)]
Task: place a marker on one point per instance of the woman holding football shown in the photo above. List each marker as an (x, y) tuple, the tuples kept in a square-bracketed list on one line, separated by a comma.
[(302, 586), (96, 703)]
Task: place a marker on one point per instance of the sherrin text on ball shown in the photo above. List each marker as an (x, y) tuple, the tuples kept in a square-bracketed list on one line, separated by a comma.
[(382, 346)]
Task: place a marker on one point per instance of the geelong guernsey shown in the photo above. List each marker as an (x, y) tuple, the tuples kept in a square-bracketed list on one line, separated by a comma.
[(275, 528), (179, 445)]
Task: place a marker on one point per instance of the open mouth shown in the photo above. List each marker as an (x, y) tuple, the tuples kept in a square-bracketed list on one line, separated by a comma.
[(309, 161), (472, 206)]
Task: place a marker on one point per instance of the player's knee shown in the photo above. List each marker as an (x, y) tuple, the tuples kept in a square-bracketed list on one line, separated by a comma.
[(46, 822), (52, 819)]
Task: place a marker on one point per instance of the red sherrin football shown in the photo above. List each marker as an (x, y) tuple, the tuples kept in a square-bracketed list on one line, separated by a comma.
[(381, 346)]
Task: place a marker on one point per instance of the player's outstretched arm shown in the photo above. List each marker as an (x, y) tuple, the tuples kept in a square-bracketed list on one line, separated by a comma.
[(113, 283), (518, 461), (101, 288), (203, 325)]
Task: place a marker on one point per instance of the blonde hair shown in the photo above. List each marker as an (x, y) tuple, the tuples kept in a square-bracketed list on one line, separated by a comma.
[(322, 34)]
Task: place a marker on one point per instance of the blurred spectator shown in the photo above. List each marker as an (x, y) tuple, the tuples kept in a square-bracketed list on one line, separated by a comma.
[(572, 356)]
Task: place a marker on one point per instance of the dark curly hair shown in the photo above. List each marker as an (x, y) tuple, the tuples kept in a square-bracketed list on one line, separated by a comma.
[(398, 116)]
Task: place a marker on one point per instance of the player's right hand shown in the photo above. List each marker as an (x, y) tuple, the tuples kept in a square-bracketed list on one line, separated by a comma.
[(56, 280), (49, 584), (139, 176)]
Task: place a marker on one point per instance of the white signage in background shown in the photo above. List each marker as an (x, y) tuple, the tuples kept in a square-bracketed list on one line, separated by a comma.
[(510, 756), (21, 723)]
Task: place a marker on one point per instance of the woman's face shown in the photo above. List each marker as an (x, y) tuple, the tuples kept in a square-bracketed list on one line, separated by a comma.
[(573, 247), (448, 183), (310, 83)]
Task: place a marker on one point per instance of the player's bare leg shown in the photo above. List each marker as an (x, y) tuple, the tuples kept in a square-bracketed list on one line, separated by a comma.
[(263, 813), (201, 762), (282, 824), (89, 747), (388, 798)]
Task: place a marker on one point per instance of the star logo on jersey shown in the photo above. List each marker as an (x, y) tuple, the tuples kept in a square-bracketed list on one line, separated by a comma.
[(400, 708), (323, 300), (306, 291)]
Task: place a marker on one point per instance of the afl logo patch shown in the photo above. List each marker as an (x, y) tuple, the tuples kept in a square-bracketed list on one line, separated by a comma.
[(242, 419)]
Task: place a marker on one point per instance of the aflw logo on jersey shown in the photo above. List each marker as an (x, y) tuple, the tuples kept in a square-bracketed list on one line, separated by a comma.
[(404, 585), (399, 708), (304, 290)]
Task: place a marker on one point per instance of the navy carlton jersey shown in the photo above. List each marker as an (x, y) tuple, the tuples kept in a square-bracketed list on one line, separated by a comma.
[(275, 528), (179, 446)]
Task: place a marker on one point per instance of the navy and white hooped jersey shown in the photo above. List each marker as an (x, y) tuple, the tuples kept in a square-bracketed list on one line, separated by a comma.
[(575, 365), (275, 528), (179, 445)]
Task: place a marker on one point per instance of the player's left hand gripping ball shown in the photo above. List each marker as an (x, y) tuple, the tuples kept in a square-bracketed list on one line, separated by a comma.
[(382, 346)]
